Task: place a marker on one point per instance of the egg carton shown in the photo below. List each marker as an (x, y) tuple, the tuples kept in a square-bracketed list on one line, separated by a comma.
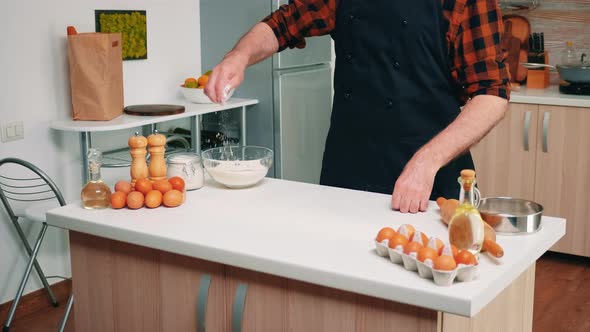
[(462, 273)]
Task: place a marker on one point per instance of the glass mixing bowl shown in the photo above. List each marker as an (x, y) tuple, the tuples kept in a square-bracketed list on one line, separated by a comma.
[(237, 166)]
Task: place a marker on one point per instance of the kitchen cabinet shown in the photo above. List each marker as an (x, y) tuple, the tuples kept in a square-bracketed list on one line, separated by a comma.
[(505, 159), (563, 172), (192, 294), (553, 171)]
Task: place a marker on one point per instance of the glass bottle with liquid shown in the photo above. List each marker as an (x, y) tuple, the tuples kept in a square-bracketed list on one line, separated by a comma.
[(466, 228), (95, 194)]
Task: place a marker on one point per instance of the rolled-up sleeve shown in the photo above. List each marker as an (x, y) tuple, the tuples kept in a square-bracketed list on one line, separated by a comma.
[(292, 22), (480, 61)]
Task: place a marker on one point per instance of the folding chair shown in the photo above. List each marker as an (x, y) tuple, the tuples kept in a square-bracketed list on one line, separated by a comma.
[(27, 192)]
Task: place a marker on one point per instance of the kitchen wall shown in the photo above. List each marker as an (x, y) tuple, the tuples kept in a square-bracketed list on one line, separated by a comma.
[(561, 20), (34, 89)]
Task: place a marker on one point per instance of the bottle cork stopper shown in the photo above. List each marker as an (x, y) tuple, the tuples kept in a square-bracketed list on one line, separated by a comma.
[(468, 174)]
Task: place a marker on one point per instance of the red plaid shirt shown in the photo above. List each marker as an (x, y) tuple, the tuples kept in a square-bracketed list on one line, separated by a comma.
[(475, 29)]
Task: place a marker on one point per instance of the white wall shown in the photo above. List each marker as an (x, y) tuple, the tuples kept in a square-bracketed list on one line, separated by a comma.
[(34, 88)]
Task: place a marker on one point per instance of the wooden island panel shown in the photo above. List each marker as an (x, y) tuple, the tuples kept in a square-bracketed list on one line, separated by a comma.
[(124, 287)]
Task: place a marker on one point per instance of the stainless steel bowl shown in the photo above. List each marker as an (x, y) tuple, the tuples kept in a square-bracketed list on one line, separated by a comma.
[(511, 215)]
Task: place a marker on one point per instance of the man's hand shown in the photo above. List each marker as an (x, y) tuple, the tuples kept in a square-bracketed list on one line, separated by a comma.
[(256, 45), (414, 186), (228, 74)]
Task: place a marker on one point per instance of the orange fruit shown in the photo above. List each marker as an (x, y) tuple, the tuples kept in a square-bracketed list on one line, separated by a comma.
[(427, 253), (118, 200), (173, 198), (177, 183), (465, 257), (123, 186), (412, 247), (203, 80), (385, 233), (162, 186), (396, 240), (190, 80), (444, 263), (143, 186), (153, 199), (135, 200)]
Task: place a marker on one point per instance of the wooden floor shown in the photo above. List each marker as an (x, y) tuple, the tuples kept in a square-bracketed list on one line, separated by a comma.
[(562, 299)]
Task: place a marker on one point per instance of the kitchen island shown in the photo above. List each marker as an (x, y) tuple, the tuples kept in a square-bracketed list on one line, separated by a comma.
[(282, 256)]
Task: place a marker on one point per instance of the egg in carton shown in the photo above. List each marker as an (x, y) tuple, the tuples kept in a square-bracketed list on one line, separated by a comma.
[(382, 241), (418, 253)]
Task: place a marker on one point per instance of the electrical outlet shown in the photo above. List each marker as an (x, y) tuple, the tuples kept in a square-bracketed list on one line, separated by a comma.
[(12, 131)]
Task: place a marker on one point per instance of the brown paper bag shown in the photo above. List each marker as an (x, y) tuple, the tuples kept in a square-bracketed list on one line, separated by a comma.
[(96, 75)]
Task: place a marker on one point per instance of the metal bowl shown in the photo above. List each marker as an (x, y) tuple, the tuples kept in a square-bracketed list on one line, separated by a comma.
[(511, 215)]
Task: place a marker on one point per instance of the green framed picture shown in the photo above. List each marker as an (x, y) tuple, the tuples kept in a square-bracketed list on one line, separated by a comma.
[(132, 24)]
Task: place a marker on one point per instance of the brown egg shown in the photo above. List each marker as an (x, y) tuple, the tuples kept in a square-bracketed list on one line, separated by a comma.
[(135, 200), (163, 186), (412, 247), (406, 230), (444, 263), (396, 240), (118, 200), (123, 186), (385, 233), (153, 199), (427, 253), (173, 198), (423, 238), (143, 186)]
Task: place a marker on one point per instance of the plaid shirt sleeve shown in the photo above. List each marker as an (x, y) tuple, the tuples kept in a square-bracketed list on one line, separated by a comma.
[(478, 58), (292, 22)]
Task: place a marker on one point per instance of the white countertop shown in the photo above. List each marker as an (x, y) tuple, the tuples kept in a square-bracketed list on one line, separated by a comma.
[(549, 96), (126, 121), (311, 233)]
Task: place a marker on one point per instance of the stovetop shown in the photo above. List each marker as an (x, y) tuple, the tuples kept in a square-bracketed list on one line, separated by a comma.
[(575, 88)]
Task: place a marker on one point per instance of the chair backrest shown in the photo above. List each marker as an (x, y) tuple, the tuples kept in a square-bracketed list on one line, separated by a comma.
[(22, 183)]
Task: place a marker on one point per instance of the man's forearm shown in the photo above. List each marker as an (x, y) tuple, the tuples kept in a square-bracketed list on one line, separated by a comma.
[(256, 45), (478, 117)]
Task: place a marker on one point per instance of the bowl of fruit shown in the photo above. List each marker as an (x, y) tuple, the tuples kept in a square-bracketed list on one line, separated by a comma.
[(193, 89)]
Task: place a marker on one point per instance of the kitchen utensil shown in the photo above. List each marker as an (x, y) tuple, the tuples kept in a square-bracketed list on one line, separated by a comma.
[(511, 215), (578, 73), (515, 41), (154, 110), (237, 166)]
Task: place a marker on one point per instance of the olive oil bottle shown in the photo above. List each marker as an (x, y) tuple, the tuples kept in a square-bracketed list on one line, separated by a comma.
[(95, 194), (466, 228)]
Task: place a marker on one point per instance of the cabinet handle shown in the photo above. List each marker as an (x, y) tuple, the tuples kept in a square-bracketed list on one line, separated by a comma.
[(238, 309), (527, 128), (546, 118), (202, 302)]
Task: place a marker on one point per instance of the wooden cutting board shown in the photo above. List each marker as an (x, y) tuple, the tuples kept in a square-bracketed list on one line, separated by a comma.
[(154, 110)]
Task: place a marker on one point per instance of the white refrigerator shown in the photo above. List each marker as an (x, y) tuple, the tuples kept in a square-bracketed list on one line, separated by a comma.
[(294, 88)]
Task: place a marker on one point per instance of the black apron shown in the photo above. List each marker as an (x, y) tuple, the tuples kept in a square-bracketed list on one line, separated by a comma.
[(393, 92)]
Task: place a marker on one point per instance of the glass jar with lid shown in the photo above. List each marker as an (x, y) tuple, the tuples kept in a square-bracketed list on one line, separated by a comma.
[(188, 166)]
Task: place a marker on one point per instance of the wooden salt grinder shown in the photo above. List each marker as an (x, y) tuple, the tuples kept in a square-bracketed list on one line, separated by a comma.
[(139, 168), (158, 169)]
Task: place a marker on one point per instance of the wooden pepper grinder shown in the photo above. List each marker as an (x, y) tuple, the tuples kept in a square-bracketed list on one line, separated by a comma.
[(139, 168), (158, 169)]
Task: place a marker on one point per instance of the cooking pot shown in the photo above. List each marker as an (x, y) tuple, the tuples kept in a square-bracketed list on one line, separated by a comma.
[(574, 73)]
